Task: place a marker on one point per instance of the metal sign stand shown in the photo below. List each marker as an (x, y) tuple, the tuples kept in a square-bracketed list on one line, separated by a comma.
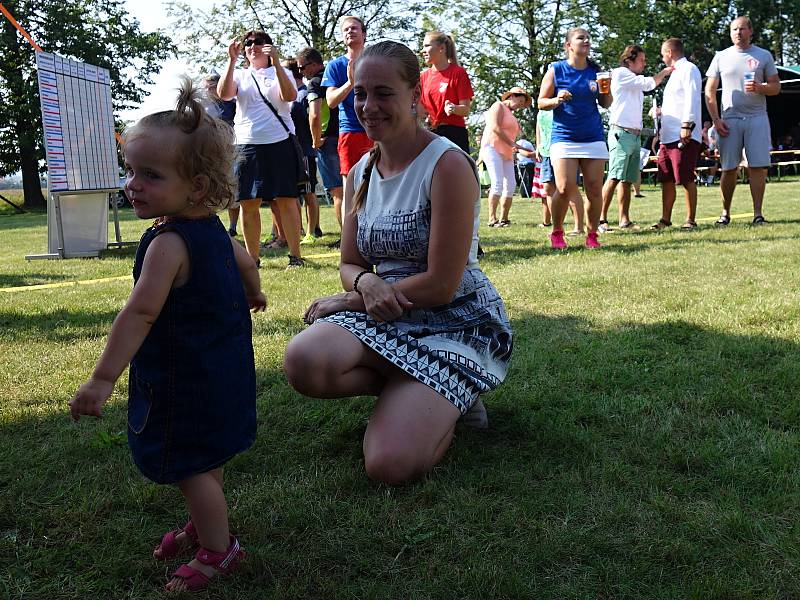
[(65, 241)]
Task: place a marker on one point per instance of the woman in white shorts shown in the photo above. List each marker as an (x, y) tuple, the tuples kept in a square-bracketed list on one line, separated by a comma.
[(571, 91), (497, 151)]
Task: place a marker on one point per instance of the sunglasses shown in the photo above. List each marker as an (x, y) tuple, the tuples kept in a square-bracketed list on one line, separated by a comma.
[(301, 67), (257, 41)]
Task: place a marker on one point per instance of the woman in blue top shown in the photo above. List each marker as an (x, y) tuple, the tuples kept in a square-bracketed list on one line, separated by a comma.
[(570, 90)]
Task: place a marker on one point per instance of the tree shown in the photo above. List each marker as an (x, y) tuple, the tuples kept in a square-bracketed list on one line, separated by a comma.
[(203, 35), (99, 32)]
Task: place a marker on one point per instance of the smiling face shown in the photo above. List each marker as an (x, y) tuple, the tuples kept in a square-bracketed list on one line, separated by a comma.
[(383, 98), (741, 32), (255, 51), (153, 183)]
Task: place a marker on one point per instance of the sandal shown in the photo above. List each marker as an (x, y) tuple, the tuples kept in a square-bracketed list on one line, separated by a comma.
[(662, 224), (627, 225), (604, 227), (222, 562), (503, 223), (723, 220), (759, 220), (170, 547), (689, 225), (492, 223), (274, 245)]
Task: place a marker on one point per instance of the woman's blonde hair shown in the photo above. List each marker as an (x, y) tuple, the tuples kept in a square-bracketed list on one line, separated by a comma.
[(204, 146), (449, 45), (408, 67)]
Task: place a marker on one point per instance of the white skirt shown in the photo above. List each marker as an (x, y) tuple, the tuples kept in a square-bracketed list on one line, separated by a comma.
[(575, 150)]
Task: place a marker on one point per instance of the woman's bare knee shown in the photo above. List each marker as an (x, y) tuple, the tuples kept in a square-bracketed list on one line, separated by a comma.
[(303, 363), (392, 464)]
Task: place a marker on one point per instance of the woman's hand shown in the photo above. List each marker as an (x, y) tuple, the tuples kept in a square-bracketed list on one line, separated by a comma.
[(234, 49), (271, 50), (90, 398), (381, 300), (563, 96), (322, 307)]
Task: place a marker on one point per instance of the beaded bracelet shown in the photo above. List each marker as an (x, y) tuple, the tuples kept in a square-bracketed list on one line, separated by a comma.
[(356, 280)]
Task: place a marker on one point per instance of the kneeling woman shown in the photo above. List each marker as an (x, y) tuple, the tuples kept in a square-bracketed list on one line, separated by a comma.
[(419, 325)]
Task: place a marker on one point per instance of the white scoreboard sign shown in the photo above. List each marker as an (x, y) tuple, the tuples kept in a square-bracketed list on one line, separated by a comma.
[(78, 125)]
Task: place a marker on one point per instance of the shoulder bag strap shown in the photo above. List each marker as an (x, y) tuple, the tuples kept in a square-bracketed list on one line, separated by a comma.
[(267, 102)]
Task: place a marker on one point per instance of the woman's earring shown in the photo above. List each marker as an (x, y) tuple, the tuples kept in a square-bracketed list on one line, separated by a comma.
[(414, 110)]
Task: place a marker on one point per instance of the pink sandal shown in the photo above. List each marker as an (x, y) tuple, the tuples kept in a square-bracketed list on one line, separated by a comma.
[(169, 546), (223, 562)]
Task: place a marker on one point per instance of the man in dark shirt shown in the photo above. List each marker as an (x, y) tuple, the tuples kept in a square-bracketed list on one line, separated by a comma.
[(303, 133), (324, 124)]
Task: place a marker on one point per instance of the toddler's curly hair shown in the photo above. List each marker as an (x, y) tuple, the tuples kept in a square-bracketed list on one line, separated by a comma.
[(206, 146)]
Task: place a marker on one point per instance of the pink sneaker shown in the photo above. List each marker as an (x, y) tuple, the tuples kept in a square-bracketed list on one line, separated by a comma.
[(591, 240), (557, 241)]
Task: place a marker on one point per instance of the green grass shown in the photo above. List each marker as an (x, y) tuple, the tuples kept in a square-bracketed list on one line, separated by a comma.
[(644, 445)]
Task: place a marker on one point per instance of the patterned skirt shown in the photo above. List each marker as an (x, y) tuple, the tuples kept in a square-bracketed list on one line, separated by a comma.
[(460, 350)]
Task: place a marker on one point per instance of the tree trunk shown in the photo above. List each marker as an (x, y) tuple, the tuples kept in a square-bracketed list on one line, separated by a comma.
[(26, 142), (31, 186)]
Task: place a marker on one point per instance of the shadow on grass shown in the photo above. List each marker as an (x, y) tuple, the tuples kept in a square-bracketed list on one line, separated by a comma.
[(648, 457), (28, 278), (56, 325)]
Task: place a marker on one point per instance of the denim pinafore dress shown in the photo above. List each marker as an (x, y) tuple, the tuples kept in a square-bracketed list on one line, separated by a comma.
[(191, 386)]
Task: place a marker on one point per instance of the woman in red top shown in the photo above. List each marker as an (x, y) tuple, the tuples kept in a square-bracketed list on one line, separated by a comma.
[(446, 89)]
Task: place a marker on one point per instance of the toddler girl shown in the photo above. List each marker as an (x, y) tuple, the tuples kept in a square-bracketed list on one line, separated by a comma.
[(185, 330)]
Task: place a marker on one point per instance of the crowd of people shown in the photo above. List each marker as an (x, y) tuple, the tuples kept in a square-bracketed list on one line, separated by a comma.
[(315, 104), (418, 324)]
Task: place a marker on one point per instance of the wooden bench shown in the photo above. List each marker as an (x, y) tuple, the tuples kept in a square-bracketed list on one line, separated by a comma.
[(780, 159)]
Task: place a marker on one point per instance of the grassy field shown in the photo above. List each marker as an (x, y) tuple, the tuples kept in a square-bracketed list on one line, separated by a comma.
[(645, 443)]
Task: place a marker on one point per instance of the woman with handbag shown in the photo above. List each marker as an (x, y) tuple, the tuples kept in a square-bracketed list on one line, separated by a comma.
[(269, 168)]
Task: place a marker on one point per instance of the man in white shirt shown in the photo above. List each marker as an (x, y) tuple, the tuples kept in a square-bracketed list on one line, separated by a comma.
[(681, 133), (748, 74), (624, 134)]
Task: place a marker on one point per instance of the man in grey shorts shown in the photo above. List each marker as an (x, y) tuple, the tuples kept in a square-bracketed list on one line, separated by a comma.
[(748, 75)]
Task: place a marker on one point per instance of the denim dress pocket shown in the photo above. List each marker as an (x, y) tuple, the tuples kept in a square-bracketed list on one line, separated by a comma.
[(140, 401)]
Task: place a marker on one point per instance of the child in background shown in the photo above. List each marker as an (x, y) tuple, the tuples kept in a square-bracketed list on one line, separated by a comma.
[(185, 330)]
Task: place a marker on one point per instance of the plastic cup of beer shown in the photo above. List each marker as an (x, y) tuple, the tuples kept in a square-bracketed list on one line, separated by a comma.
[(604, 82), (749, 78)]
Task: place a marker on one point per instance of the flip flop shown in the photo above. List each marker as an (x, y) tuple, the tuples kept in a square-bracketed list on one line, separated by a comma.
[(662, 224), (723, 220), (689, 225), (759, 220)]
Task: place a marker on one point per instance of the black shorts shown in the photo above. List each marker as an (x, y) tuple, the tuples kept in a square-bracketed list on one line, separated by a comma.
[(267, 171), (458, 135)]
